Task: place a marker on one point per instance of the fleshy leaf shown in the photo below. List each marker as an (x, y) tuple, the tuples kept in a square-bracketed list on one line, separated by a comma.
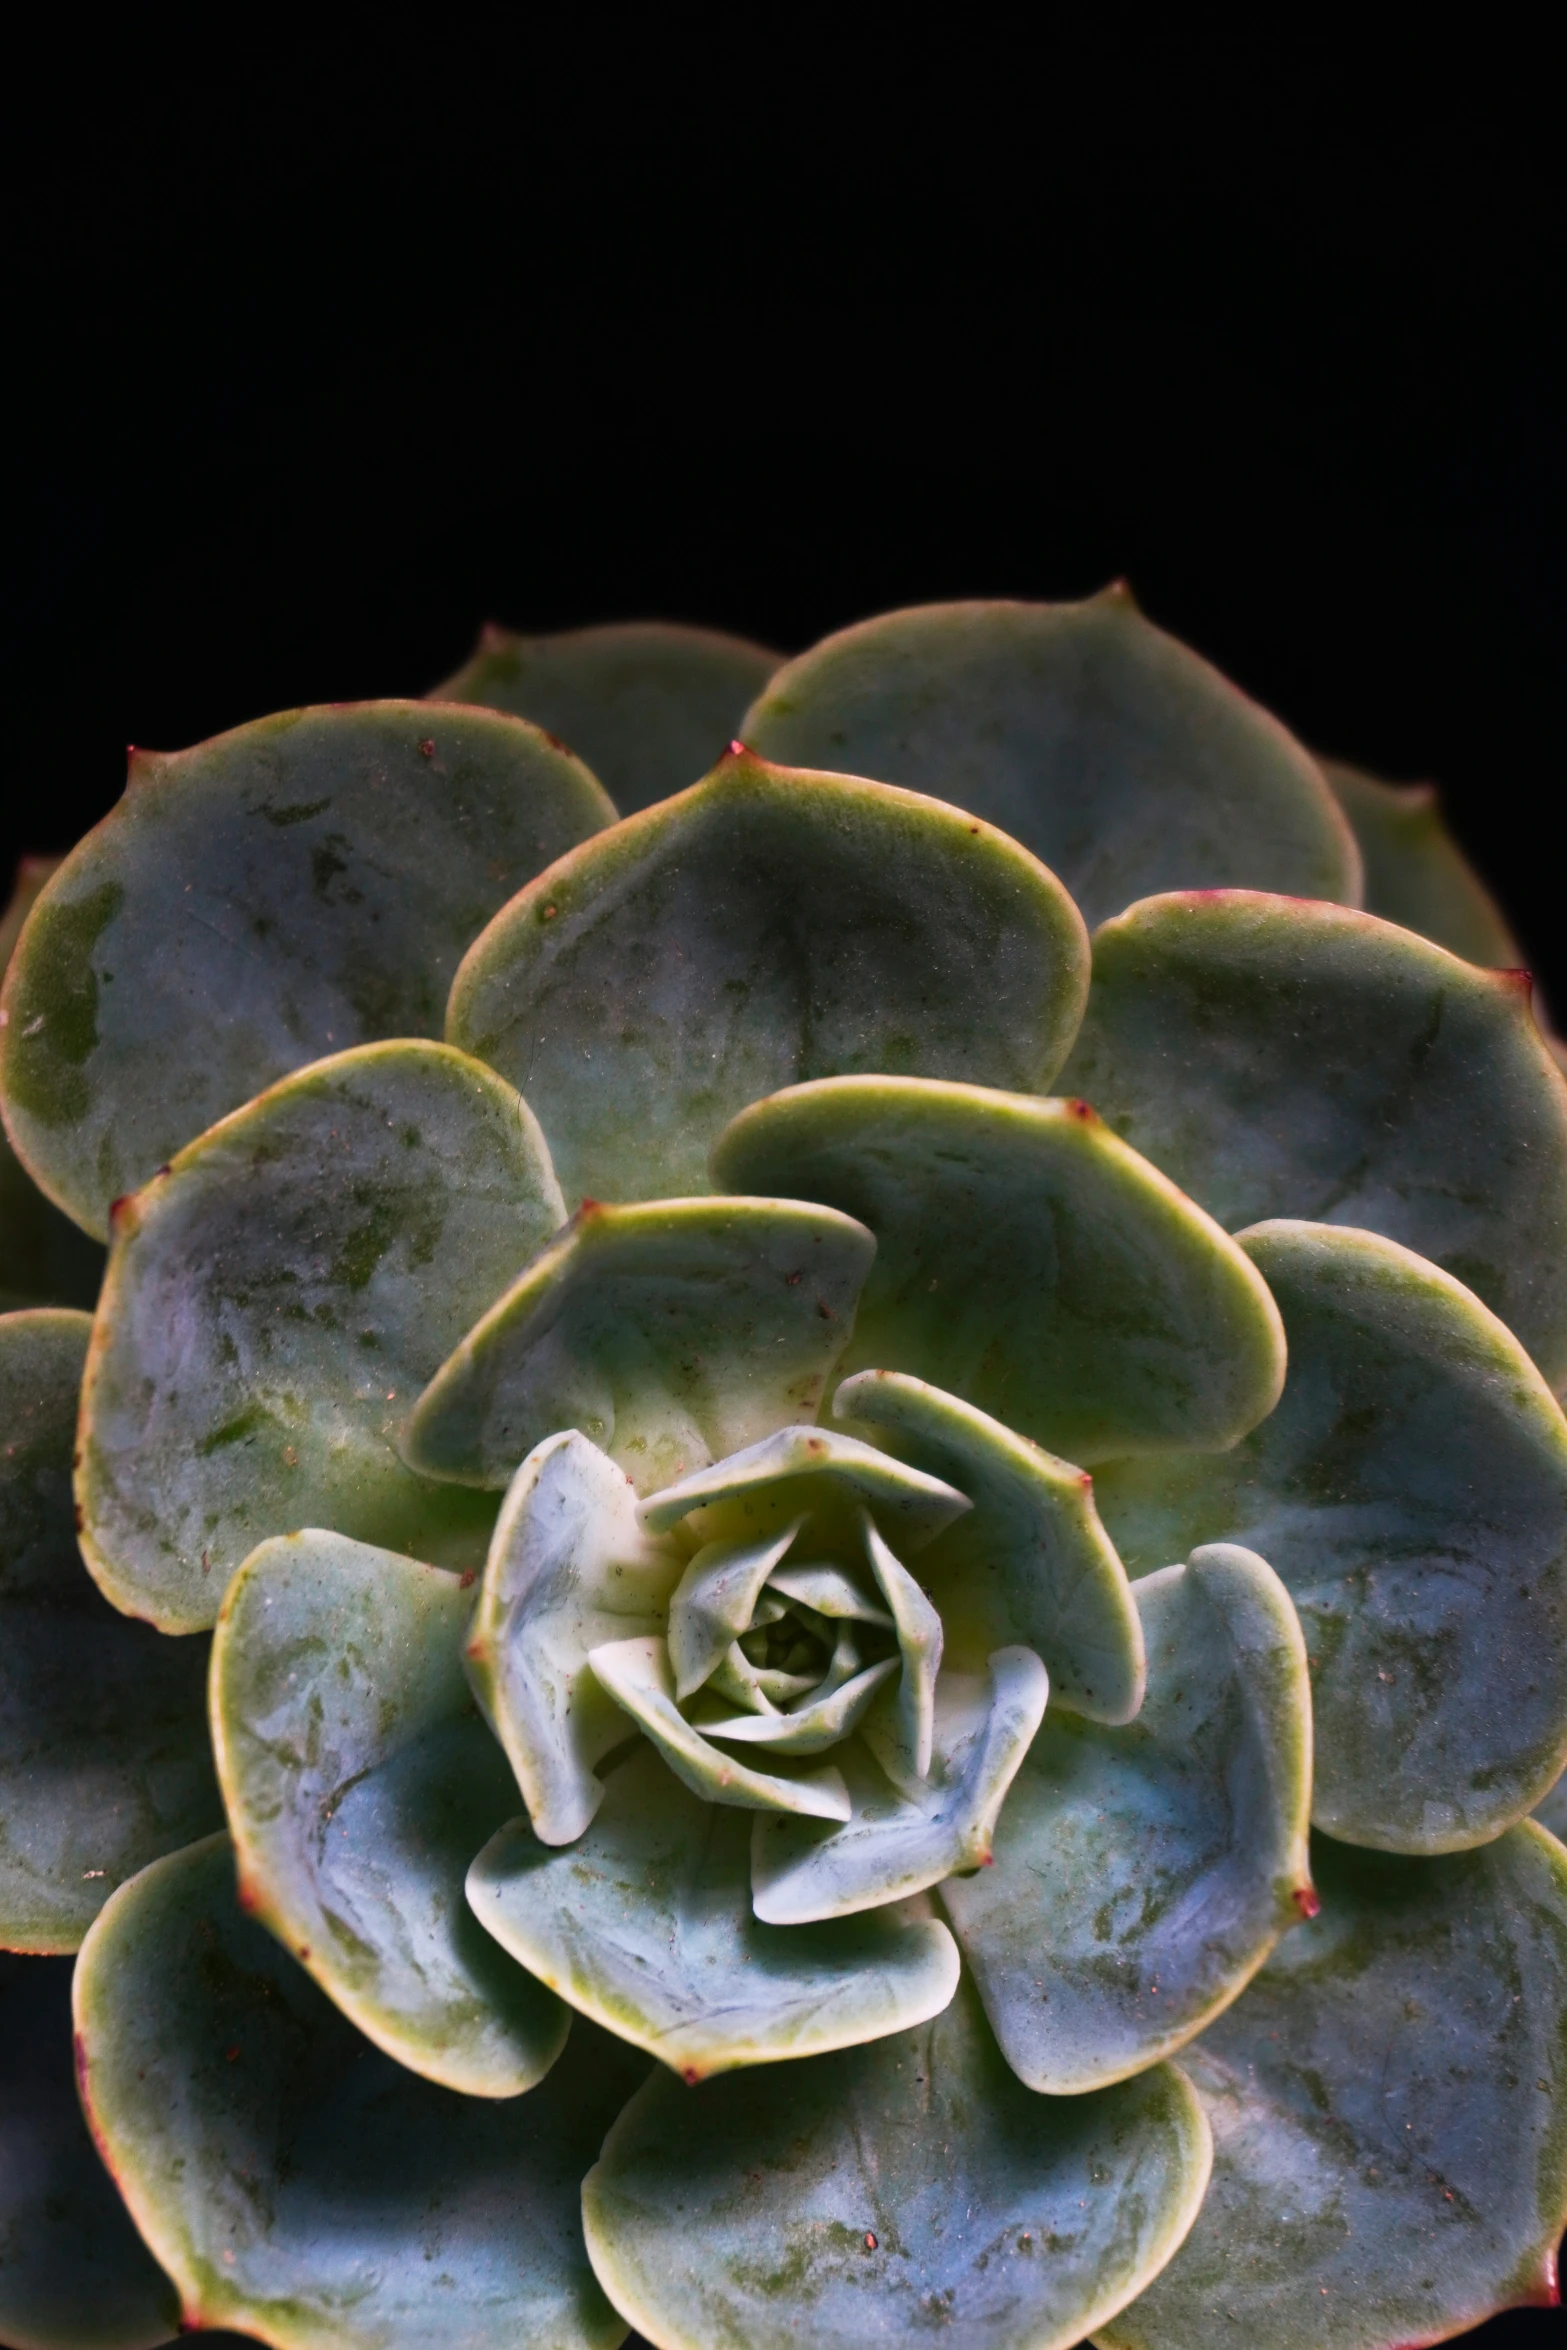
[(1416, 874), (570, 1568), (912, 1715), (359, 1783), (905, 2189), (74, 2274), (1143, 1874), (901, 1838), (712, 1602), (274, 1303), (1552, 1812), (1113, 752), (1389, 2112), (45, 1258), (817, 1469), (764, 927), (1030, 1566), (1411, 1492), (293, 2180), (646, 1926), (104, 1761), (1026, 1260), (829, 1591), (305, 883), (808, 1729), (636, 1673), (671, 1333), (1279, 1059), (647, 704)]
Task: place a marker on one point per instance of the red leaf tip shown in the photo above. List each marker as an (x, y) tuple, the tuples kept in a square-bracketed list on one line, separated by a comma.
[(1306, 1900)]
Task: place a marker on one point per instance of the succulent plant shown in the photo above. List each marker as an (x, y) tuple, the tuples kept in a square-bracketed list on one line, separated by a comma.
[(683, 1648)]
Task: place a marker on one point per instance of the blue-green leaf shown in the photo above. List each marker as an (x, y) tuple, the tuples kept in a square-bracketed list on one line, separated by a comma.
[(1142, 1874), (1026, 1260), (1389, 2112), (646, 1926), (297, 2183), (360, 1782), (1411, 1491), (897, 2192), (275, 1302), (104, 1761), (764, 927)]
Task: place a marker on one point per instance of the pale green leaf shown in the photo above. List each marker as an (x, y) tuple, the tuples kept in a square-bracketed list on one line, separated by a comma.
[(637, 1675), (276, 1300), (359, 1783), (646, 1926), (816, 1469), (1026, 1260), (765, 927), (1142, 1874), (1411, 1491), (901, 2191)]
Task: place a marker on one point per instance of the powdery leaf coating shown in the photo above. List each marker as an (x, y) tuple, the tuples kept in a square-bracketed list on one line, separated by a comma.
[(1143, 1874), (276, 1300), (294, 2181), (636, 1674), (646, 1926), (1117, 755), (45, 1258), (871, 2198), (74, 2274), (1389, 2130), (1280, 1059), (906, 1832), (1416, 874), (570, 1568), (359, 1783), (764, 927), (305, 883), (104, 1761), (670, 1333), (649, 705), (1411, 1492), (1030, 1565), (1027, 1260)]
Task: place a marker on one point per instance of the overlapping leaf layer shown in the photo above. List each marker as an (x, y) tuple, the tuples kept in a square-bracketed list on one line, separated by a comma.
[(683, 1654)]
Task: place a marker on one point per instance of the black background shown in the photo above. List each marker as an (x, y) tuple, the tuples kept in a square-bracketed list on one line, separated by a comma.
[(320, 357)]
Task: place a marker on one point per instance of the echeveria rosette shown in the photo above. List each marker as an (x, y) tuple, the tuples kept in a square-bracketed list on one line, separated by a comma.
[(699, 1629)]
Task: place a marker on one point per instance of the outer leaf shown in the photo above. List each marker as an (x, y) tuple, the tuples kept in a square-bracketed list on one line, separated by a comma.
[(1030, 1566), (1027, 1260), (359, 1783), (1411, 1491), (1552, 1813), (297, 2183), (308, 881), (670, 1333), (1286, 1060), (570, 1567), (648, 705), (45, 1259), (646, 1926), (764, 927), (637, 1675), (74, 2274), (1102, 744), (901, 1838), (1389, 2123), (103, 1733), (880, 2196), (815, 1469), (1143, 1874), (1416, 874), (274, 1304)]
